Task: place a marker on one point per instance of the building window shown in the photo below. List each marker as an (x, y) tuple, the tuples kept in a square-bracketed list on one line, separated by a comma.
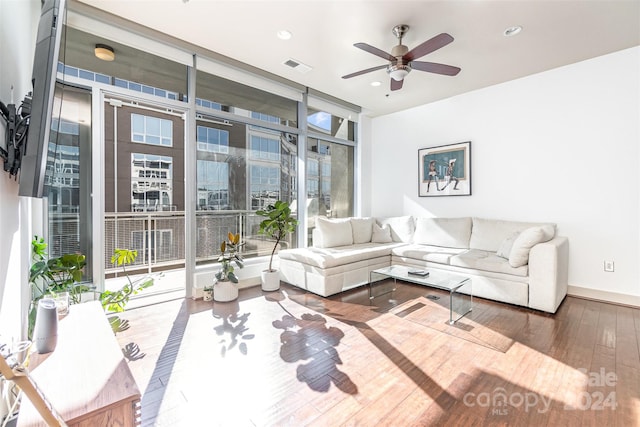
[(265, 186), (312, 168), (151, 178), (263, 148), (213, 140), (213, 185), (265, 117), (151, 130)]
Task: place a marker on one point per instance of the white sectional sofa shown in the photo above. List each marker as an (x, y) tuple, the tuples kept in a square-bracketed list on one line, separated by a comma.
[(514, 262)]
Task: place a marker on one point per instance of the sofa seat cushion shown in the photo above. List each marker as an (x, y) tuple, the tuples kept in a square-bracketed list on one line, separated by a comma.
[(430, 253), (340, 255), (487, 261)]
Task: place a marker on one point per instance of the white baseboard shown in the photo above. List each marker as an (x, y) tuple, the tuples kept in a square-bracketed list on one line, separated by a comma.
[(598, 295)]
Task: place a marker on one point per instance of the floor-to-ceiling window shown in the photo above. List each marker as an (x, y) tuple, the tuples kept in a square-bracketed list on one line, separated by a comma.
[(330, 164), (243, 154), (68, 176), (246, 141)]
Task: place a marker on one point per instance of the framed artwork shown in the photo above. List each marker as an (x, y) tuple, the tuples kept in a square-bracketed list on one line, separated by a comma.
[(445, 170)]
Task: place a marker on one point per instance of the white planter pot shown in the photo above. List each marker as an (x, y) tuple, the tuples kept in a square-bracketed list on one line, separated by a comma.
[(207, 294), (225, 291), (270, 280)]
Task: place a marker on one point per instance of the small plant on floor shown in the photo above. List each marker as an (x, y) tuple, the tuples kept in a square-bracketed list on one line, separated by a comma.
[(229, 254), (116, 301)]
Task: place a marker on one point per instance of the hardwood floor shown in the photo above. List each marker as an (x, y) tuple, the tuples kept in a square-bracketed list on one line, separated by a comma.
[(291, 358)]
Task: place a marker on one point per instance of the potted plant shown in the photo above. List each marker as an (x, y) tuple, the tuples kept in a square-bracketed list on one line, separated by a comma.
[(224, 287), (55, 277), (278, 223), (115, 301)]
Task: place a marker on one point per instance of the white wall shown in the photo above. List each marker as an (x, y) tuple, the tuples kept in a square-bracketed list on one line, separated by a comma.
[(559, 146), (18, 20)]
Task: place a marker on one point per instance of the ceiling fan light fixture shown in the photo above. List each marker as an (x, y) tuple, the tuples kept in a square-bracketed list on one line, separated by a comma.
[(399, 71)]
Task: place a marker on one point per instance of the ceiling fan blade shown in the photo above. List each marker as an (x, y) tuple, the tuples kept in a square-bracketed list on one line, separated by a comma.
[(429, 46), (368, 70), (396, 84), (432, 67), (375, 51)]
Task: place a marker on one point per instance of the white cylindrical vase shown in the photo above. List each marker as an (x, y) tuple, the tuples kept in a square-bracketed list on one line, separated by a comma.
[(224, 291), (270, 280)]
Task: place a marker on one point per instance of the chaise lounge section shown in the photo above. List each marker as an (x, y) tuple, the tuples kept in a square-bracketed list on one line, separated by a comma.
[(520, 263)]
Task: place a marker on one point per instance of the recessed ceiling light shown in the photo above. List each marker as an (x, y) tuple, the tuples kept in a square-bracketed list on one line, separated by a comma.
[(284, 34), (375, 84), (512, 31)]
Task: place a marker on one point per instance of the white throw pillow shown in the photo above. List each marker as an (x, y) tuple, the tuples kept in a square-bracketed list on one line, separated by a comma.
[(530, 237), (381, 234), (334, 232), (507, 244), (402, 227), (362, 229)]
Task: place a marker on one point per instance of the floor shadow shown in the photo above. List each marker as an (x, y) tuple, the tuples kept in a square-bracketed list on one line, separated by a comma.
[(118, 324), (417, 375), (132, 352), (233, 329), (486, 398), (307, 339)]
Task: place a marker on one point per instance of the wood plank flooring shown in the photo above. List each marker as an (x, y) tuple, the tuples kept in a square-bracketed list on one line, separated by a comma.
[(291, 358)]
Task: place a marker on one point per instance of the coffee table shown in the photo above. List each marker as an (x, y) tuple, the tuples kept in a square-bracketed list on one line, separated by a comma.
[(459, 287)]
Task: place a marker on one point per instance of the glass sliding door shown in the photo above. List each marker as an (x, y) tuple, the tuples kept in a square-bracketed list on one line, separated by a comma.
[(144, 191)]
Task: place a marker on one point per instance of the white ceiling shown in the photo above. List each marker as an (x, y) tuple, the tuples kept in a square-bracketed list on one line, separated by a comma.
[(555, 33)]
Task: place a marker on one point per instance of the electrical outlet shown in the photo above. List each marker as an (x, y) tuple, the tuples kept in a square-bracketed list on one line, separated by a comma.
[(608, 266)]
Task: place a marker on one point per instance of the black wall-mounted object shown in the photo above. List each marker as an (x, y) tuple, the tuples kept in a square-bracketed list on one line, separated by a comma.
[(45, 63)]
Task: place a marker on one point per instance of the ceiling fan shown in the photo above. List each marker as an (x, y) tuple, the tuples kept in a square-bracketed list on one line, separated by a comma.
[(402, 60)]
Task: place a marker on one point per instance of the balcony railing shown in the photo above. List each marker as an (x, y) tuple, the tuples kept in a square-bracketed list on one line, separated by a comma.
[(159, 237)]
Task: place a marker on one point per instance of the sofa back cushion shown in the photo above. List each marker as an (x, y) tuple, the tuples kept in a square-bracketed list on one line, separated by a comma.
[(402, 227), (444, 232), (362, 229), (489, 234), (330, 233)]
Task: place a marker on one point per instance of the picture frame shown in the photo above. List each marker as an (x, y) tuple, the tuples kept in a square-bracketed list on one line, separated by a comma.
[(445, 170)]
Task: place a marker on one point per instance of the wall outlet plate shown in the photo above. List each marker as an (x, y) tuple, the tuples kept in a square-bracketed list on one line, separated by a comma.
[(608, 266)]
